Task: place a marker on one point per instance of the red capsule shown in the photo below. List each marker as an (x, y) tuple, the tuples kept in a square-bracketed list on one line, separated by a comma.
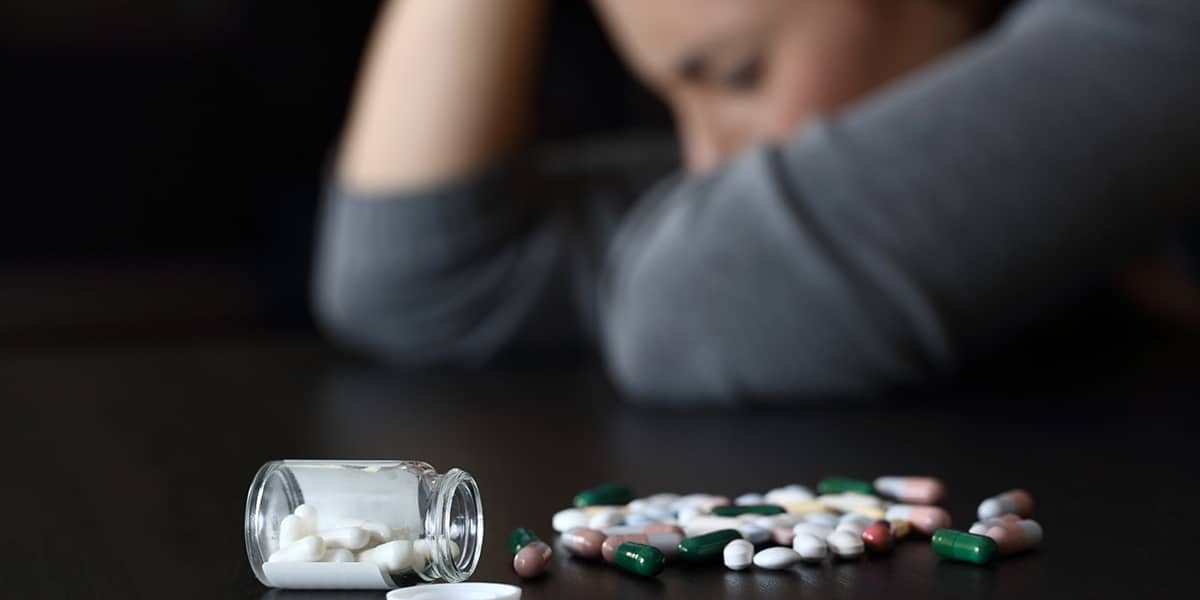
[(583, 542), (877, 537)]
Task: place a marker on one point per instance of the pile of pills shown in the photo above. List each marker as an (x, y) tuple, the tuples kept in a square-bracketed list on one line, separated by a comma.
[(352, 540), (778, 529)]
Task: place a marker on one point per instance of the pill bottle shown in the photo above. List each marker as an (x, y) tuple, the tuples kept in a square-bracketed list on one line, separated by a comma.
[(434, 519)]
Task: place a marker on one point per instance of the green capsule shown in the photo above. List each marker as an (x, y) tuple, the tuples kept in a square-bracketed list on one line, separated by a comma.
[(708, 546), (607, 494), (967, 547), (640, 559), (838, 485), (749, 509), (521, 537)]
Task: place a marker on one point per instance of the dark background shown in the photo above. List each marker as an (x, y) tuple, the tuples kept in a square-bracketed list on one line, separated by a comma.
[(165, 158)]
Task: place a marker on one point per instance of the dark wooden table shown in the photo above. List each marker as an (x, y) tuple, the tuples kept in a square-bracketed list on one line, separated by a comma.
[(126, 466)]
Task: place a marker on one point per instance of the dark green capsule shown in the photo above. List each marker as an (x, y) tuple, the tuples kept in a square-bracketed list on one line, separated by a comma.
[(967, 547), (521, 537), (607, 494), (749, 509), (838, 485), (640, 559), (707, 546)]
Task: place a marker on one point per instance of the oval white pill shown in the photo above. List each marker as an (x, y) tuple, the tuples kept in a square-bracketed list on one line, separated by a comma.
[(307, 512), (569, 518), (815, 529), (750, 499), (292, 528), (810, 547), (393, 556), (754, 534), (776, 558), (306, 549), (849, 501), (606, 518), (351, 538), (846, 544), (829, 520), (739, 554)]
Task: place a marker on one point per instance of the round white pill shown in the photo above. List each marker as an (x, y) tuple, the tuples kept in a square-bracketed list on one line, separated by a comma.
[(846, 544), (810, 547), (569, 518), (788, 495), (829, 520), (754, 534), (739, 554), (776, 558), (821, 531)]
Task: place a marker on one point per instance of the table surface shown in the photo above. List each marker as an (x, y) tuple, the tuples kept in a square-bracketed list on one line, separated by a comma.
[(128, 466)]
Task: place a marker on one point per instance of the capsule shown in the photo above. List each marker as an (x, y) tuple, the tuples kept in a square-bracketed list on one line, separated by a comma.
[(1013, 537), (519, 538), (913, 490), (925, 519), (531, 560), (608, 494), (584, 542), (640, 559), (963, 546), (750, 509), (663, 528), (878, 537), (667, 543), (981, 527), (707, 546), (1016, 501), (839, 485)]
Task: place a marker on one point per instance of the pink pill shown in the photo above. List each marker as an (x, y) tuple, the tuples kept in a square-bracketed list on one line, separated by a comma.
[(913, 490), (531, 560), (925, 519), (1016, 501), (583, 542)]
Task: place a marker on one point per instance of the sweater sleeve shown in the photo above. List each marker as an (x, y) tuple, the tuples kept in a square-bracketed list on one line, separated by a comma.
[(924, 226)]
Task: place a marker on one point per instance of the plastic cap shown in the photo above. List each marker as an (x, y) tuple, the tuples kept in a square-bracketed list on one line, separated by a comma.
[(457, 591)]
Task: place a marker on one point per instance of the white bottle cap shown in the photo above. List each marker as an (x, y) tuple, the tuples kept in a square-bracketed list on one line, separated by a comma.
[(457, 591)]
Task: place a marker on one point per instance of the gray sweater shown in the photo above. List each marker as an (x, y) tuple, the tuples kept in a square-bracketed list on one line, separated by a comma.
[(881, 246)]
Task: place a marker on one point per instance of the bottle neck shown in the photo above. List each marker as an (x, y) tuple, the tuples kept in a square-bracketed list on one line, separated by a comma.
[(454, 525)]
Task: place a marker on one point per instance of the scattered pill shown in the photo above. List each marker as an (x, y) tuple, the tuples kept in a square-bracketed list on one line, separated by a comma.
[(877, 537), (900, 528), (838, 485), (753, 509), (804, 507), (845, 544), (981, 527), (392, 556), (708, 524), (829, 520), (640, 519), (337, 555), (738, 554), (667, 543), (810, 547), (963, 546), (776, 558), (663, 528), (925, 519), (787, 495), (782, 535), (606, 495), (854, 527), (750, 499), (787, 520), (874, 513), (519, 538), (606, 518), (583, 542), (306, 549), (350, 538), (1017, 501), (640, 559), (621, 529), (912, 490), (815, 529), (1013, 537), (849, 501), (754, 534), (570, 518), (531, 560), (707, 546)]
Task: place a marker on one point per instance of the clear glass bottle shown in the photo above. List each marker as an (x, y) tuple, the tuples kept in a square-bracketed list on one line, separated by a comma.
[(440, 516)]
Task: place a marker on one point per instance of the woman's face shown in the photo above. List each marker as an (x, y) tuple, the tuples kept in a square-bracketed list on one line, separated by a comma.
[(741, 72)]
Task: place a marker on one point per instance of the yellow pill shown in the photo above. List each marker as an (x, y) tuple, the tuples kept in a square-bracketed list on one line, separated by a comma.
[(804, 507), (874, 512), (900, 528)]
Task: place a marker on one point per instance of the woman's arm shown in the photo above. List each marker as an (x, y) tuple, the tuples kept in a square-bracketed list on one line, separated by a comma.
[(925, 226), (443, 92)]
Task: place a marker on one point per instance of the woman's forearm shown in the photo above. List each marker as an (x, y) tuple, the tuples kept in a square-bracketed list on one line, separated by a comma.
[(443, 91)]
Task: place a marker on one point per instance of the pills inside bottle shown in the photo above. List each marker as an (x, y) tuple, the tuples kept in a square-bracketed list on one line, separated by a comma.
[(328, 524)]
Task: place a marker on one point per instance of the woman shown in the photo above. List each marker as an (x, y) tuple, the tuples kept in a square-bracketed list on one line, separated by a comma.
[(875, 190)]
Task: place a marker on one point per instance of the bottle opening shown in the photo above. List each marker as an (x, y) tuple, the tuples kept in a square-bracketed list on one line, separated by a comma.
[(458, 527)]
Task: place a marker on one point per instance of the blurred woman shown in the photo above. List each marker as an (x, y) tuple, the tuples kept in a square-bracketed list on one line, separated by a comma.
[(874, 191)]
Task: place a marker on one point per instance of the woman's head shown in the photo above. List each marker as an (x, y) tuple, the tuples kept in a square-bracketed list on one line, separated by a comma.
[(740, 72)]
